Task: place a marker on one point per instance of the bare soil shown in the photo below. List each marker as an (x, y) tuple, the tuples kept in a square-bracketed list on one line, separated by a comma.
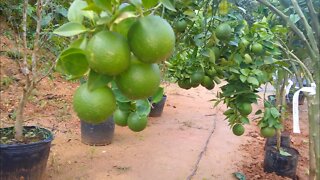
[(169, 148)]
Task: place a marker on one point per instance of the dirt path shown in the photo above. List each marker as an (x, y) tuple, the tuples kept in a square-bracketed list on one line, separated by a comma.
[(167, 149)]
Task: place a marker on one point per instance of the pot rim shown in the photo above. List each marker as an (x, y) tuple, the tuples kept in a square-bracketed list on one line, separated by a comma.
[(47, 140)]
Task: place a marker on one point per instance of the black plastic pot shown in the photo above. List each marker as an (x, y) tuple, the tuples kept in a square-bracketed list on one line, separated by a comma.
[(272, 99), (25, 161), (280, 164), (285, 140), (157, 108), (289, 98), (97, 134)]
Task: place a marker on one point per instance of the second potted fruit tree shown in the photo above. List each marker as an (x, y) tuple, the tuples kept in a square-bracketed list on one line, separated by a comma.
[(118, 45), (24, 150)]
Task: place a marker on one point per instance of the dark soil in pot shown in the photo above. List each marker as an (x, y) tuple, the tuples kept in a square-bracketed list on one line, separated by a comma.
[(289, 98), (157, 108), (285, 140), (282, 165), (26, 160), (97, 134)]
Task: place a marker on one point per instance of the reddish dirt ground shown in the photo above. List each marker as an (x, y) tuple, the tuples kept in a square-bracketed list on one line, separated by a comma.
[(167, 149)]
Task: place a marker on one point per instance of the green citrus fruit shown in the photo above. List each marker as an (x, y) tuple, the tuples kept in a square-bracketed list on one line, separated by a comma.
[(94, 106), (238, 129), (137, 123), (139, 81), (217, 52), (151, 39), (184, 84), (223, 32), (120, 117), (181, 25), (207, 83), (123, 26), (108, 53), (257, 48), (247, 59), (244, 43), (196, 78), (245, 109), (267, 132)]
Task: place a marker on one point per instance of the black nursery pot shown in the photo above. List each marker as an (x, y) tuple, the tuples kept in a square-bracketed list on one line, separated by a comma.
[(285, 140), (25, 161), (97, 134), (301, 98), (157, 108), (280, 164), (272, 99)]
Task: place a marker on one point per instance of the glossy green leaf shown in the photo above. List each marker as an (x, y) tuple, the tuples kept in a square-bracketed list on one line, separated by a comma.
[(124, 106), (243, 78), (245, 72), (284, 153), (157, 97), (118, 94), (136, 3), (70, 29), (149, 3), (103, 4), (239, 176), (96, 80), (253, 81), (294, 18), (75, 11), (168, 4), (73, 63), (274, 112), (244, 120), (143, 107), (80, 43)]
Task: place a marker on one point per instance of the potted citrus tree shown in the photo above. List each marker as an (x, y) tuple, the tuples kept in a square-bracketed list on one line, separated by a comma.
[(25, 149), (307, 32)]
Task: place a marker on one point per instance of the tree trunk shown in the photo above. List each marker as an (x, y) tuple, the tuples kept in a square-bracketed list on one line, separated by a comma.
[(314, 130), (20, 109), (19, 118)]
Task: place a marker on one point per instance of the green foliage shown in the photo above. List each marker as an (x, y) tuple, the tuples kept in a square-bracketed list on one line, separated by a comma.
[(245, 56), (271, 117)]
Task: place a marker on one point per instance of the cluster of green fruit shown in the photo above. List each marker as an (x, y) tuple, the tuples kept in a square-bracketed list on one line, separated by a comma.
[(206, 77), (125, 58)]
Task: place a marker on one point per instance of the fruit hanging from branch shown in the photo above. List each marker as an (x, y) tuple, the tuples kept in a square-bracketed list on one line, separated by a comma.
[(116, 49)]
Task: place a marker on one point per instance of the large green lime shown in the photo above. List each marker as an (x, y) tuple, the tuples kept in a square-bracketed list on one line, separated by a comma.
[(94, 106), (108, 53), (139, 81), (151, 39)]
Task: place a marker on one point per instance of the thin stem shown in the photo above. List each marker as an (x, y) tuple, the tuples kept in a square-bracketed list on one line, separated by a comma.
[(296, 59), (25, 69), (306, 26), (294, 28), (314, 19), (36, 41)]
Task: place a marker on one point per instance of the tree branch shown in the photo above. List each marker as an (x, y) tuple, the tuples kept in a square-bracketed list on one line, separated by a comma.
[(296, 59), (295, 29), (314, 19), (306, 26), (36, 41), (25, 70), (48, 72)]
